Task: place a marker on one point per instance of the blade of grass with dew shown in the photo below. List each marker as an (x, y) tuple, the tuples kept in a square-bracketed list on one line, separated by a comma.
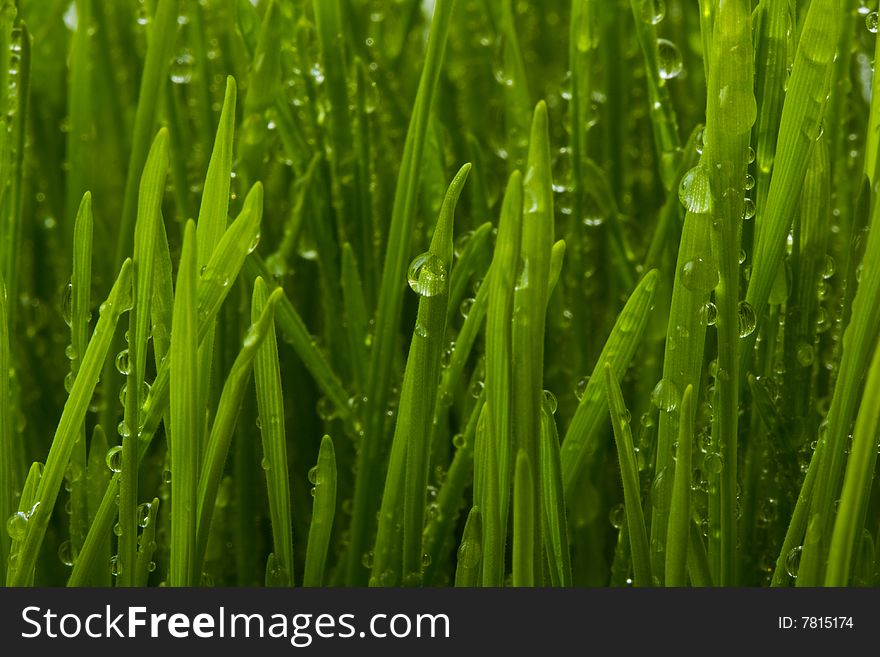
[(213, 213), (162, 303), (90, 567), (185, 416), (698, 561), (68, 426), (18, 569), (658, 68), (356, 317), (15, 68), (872, 145), (487, 495), (857, 483), (629, 473), (797, 525), (517, 101), (323, 512), (800, 126), (730, 113), (690, 310), (470, 552), (859, 339), (441, 523), (7, 449), (146, 232), (677, 536), (217, 447), (581, 439), (554, 516), (80, 297), (391, 295), (530, 305), (406, 481), (158, 61), (523, 522), (270, 406), (499, 350), (147, 543)]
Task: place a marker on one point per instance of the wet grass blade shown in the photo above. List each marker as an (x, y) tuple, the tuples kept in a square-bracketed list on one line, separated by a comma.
[(162, 32), (217, 446), (677, 536), (487, 496), (270, 405), (530, 299), (523, 522), (18, 525), (146, 234), (185, 417), (470, 552), (857, 483), (385, 342), (323, 513), (147, 514), (7, 449), (406, 481), (554, 516), (799, 127), (581, 439), (68, 426), (629, 473)]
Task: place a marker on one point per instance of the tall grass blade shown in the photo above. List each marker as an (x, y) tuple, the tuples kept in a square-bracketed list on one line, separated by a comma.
[(470, 552), (323, 513), (523, 523)]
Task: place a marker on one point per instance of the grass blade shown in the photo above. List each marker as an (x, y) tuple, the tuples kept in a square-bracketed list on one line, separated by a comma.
[(391, 292), (554, 516), (677, 536), (270, 405), (323, 512), (185, 418), (470, 552), (7, 448), (147, 543), (523, 523), (68, 426), (629, 473), (581, 438)]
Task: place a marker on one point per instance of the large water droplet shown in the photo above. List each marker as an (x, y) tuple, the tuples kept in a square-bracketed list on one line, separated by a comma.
[(669, 59), (122, 362), (67, 553), (114, 459), (872, 21), (550, 403), (699, 275), (16, 526), (652, 11), (747, 319), (793, 561), (694, 191), (805, 354), (665, 395), (182, 68), (427, 275), (143, 514)]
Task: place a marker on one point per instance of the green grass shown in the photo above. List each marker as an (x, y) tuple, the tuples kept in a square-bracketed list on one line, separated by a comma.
[(639, 346)]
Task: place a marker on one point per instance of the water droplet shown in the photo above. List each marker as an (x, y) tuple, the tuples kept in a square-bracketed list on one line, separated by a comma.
[(115, 568), (255, 242), (714, 463), (748, 208), (665, 395), (708, 313), (166, 476), (16, 526), (805, 354), (122, 362), (182, 68), (313, 475), (427, 275), (461, 242), (550, 402), (67, 553), (465, 307), (828, 269), (581, 387), (117, 529), (669, 59), (747, 319), (70, 352), (143, 514), (67, 303), (122, 429), (694, 191), (265, 463), (699, 275), (616, 516), (114, 459), (367, 559), (793, 561), (871, 22), (750, 182), (751, 154), (459, 441), (652, 11), (426, 560)]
